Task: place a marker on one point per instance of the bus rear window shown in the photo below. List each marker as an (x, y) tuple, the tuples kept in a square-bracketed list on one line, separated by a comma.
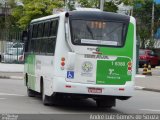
[(87, 32)]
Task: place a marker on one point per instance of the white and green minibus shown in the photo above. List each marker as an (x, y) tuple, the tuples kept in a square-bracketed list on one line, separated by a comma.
[(81, 54)]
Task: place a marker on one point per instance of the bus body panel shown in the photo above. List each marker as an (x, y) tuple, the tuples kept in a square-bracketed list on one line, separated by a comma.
[(113, 60), (61, 86)]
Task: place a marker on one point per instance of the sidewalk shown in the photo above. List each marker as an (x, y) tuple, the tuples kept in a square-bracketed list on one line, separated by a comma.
[(12, 71), (150, 83), (11, 67)]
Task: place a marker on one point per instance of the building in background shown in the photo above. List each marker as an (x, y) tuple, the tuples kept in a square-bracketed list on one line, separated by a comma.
[(125, 9)]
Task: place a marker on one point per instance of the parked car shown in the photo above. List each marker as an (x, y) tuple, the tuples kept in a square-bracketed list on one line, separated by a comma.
[(148, 57), (13, 55), (15, 46)]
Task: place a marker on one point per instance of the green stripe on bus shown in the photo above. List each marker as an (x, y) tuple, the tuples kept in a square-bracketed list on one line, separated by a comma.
[(127, 50), (116, 72), (30, 69)]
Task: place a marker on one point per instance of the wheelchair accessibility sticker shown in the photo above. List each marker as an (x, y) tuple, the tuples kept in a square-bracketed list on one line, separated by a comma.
[(70, 74)]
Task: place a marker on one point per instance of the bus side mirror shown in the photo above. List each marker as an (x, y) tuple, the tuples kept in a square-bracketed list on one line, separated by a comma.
[(25, 40)]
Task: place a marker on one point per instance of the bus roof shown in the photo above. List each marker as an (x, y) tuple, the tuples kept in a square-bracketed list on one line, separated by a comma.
[(47, 17), (91, 15)]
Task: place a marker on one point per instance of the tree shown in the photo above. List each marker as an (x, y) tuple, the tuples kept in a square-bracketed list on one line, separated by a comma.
[(109, 5), (34, 9), (6, 20), (143, 15), (89, 3), (23, 14)]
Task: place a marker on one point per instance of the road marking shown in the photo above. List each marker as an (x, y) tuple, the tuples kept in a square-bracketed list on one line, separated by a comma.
[(16, 77), (8, 94), (138, 87), (150, 110), (140, 76)]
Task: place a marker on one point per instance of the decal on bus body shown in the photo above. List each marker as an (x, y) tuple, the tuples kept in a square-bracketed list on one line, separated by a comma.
[(116, 72)]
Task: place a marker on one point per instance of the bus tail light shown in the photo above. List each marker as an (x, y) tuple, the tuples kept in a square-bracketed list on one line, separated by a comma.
[(129, 66), (62, 63)]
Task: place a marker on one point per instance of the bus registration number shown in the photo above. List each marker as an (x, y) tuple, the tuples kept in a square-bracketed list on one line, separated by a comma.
[(94, 90)]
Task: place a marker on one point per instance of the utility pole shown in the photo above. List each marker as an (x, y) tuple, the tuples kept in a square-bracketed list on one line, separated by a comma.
[(5, 17), (101, 5), (152, 23)]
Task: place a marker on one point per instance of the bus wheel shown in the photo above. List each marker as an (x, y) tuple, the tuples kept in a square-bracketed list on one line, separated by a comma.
[(30, 92), (105, 103), (45, 99)]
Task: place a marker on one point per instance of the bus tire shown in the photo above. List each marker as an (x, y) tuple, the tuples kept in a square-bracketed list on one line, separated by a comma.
[(30, 92), (105, 103), (45, 99)]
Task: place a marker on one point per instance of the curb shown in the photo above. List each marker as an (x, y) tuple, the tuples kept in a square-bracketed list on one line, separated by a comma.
[(138, 88), (150, 89), (146, 89), (4, 77), (157, 67)]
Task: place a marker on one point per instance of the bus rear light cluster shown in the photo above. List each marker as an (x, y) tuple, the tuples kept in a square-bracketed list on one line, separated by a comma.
[(129, 66), (62, 63)]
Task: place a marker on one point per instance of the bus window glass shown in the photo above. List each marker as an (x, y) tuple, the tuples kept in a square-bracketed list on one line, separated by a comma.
[(37, 45), (53, 28), (30, 31), (40, 30), (34, 31), (98, 32), (51, 45), (32, 45), (46, 29), (43, 45)]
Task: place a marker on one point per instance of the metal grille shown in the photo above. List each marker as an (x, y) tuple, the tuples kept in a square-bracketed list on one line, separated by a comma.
[(11, 46)]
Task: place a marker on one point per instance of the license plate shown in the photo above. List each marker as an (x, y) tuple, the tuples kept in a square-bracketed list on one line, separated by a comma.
[(95, 90)]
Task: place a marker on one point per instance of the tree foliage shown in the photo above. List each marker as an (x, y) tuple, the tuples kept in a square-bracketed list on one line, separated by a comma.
[(143, 15), (109, 5), (6, 20), (34, 9), (37, 8), (89, 3)]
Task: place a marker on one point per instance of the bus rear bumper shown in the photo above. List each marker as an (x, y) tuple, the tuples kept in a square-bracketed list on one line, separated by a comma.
[(62, 86)]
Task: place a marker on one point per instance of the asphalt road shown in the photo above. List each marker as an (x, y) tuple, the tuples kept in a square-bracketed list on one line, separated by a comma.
[(13, 99)]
